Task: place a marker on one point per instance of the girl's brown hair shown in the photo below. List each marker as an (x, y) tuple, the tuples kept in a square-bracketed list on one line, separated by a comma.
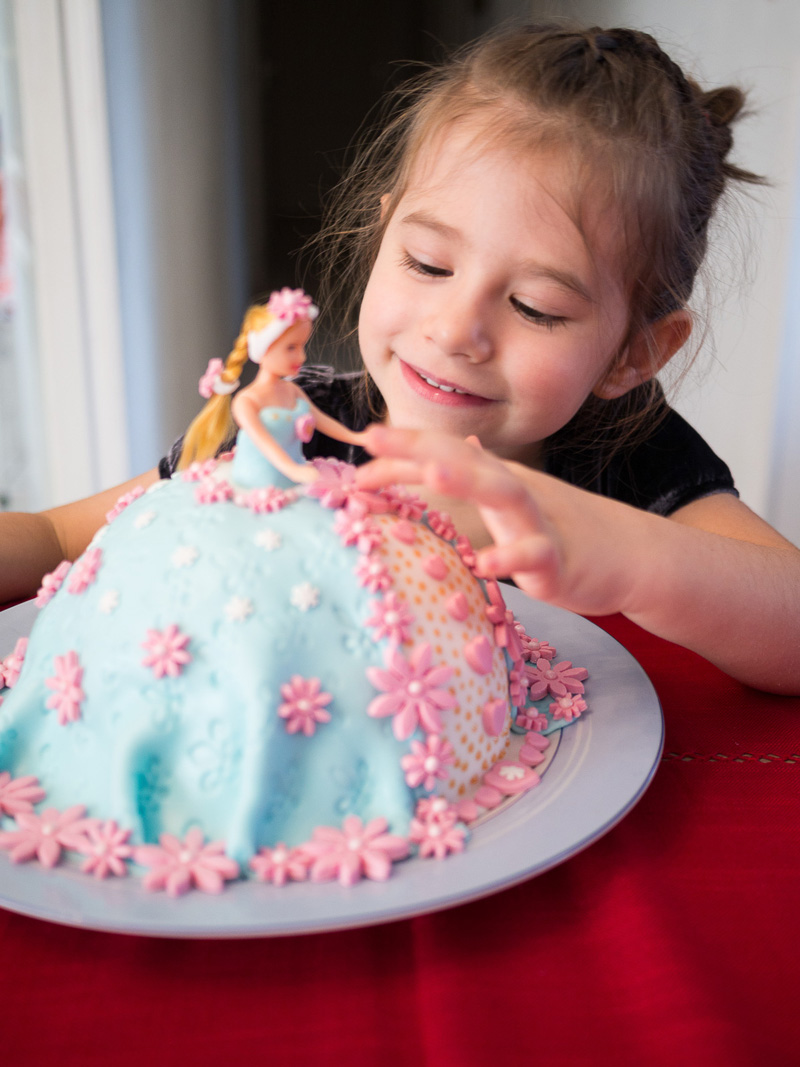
[(659, 141)]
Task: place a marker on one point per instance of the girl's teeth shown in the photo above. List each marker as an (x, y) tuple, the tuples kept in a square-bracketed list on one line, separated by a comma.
[(444, 388)]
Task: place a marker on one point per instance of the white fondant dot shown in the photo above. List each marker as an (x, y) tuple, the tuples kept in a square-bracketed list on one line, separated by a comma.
[(414, 688), (142, 521)]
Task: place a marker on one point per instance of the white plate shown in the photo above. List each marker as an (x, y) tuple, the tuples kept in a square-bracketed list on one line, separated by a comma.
[(602, 766)]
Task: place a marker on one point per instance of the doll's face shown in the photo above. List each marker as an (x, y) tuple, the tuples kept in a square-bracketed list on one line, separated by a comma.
[(287, 355), (488, 310)]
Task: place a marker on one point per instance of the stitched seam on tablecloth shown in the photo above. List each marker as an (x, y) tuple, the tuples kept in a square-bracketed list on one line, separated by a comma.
[(726, 757)]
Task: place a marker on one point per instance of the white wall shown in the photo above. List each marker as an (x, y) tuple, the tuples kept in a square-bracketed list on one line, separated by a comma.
[(746, 386)]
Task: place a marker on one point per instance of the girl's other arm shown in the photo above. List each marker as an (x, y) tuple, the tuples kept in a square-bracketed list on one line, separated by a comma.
[(714, 577), (31, 545)]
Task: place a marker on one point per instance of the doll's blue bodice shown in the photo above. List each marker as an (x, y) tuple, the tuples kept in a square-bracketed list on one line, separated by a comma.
[(251, 468)]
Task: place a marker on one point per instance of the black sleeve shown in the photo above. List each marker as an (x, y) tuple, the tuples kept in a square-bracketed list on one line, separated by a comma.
[(666, 470)]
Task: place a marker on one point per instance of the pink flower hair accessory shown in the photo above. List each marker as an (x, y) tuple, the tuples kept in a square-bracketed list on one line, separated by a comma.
[(280, 864), (354, 852), (11, 666), (427, 762), (304, 705), (177, 866), (19, 794), (288, 306), (166, 652), (213, 383), (412, 691), (66, 685), (44, 836), (51, 583)]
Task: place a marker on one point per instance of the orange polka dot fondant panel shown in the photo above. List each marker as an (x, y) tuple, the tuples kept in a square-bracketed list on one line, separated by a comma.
[(449, 609)]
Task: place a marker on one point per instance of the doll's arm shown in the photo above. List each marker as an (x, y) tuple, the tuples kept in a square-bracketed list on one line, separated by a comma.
[(31, 545), (245, 409), (713, 578), (333, 428)]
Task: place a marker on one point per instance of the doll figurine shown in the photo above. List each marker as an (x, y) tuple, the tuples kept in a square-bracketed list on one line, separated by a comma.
[(273, 414)]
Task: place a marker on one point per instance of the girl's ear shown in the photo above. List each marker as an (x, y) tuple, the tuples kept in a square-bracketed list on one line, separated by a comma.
[(647, 352)]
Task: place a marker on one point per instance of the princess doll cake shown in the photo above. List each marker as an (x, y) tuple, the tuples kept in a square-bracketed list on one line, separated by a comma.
[(257, 669)]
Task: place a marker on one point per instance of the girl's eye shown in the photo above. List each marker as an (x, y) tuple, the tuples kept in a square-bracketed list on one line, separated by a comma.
[(532, 315), (418, 267)]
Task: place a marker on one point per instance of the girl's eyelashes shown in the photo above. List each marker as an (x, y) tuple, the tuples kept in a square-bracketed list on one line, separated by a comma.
[(540, 318), (409, 262)]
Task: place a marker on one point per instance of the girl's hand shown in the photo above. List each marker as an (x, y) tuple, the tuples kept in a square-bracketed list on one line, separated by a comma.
[(558, 543)]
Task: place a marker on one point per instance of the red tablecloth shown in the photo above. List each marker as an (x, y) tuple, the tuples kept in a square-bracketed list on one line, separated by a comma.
[(672, 939)]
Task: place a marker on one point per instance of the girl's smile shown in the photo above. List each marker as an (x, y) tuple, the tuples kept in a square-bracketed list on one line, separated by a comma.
[(492, 314)]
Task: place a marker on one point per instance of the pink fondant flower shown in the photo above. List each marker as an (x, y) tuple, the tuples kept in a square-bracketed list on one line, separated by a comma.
[(505, 633), (558, 679), (292, 304), (166, 651), (85, 570), (441, 524), (466, 551), (304, 428), (51, 583), (44, 836), (412, 691), (433, 829), (373, 574), (66, 686), (279, 864), (336, 488), (355, 529), (213, 491), (304, 705), (11, 666), (266, 499), (198, 472), (19, 794), (531, 648), (531, 720), (518, 684), (403, 502), (354, 852), (177, 865), (427, 762), (390, 618), (124, 501), (567, 707), (210, 377), (106, 849)]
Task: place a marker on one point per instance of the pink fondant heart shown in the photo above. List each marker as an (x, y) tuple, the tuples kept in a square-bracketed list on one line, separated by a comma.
[(404, 531), (494, 717), (458, 607), (478, 654), (436, 567), (488, 797)]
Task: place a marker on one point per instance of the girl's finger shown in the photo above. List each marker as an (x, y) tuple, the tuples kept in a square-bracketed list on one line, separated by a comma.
[(386, 471), (532, 560)]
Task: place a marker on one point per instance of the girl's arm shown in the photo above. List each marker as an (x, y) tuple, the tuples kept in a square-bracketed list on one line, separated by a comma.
[(714, 577), (31, 545), (245, 409)]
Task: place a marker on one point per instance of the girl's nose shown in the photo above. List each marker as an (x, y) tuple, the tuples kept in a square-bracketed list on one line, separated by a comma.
[(459, 327)]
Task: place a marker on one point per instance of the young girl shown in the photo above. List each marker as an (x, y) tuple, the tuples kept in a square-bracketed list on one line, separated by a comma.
[(522, 241)]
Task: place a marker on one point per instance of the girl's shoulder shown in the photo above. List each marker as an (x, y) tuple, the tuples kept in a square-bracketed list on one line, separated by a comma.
[(659, 469)]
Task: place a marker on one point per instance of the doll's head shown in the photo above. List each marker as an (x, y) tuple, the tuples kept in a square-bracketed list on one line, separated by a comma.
[(283, 322), (643, 140)]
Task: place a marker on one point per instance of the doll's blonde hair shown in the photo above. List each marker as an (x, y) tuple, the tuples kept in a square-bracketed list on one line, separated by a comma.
[(214, 425)]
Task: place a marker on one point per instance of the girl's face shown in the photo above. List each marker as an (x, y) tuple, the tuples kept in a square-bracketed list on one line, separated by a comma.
[(286, 356), (488, 311)]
